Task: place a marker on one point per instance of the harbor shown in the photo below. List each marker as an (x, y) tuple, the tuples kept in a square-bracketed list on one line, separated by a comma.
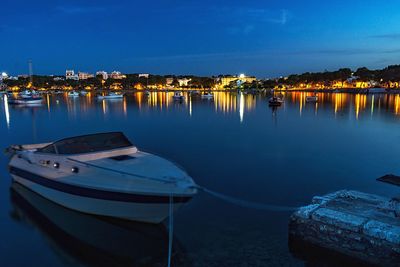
[(245, 164), (200, 133)]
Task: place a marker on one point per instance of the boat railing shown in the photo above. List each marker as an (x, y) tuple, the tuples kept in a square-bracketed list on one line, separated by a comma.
[(86, 164)]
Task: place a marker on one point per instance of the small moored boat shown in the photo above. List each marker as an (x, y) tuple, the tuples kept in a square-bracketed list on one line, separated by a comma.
[(33, 100), (313, 98), (102, 174), (111, 95), (275, 101), (73, 94), (207, 96), (178, 96)]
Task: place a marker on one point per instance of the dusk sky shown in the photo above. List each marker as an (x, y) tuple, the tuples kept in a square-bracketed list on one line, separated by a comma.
[(262, 38)]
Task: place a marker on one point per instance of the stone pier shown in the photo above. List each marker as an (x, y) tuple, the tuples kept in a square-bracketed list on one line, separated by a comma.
[(358, 225)]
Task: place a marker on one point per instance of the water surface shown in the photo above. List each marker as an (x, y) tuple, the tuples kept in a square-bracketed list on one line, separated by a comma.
[(234, 144)]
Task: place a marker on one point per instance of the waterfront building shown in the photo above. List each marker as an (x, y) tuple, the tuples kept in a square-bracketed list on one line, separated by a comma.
[(144, 75), (103, 74), (226, 80), (184, 82), (23, 76), (58, 79), (3, 76), (169, 81), (117, 75), (84, 75), (70, 75)]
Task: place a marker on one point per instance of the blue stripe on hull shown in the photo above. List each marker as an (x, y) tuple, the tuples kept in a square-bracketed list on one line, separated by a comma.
[(93, 193)]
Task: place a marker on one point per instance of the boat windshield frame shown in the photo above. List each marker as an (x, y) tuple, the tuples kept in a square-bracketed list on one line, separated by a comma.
[(84, 144)]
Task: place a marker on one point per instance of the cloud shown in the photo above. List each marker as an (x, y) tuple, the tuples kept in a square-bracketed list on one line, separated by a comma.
[(241, 30), (392, 36), (262, 15), (282, 20), (76, 10), (255, 18)]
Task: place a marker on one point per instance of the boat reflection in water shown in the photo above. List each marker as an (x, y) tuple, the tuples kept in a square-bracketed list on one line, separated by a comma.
[(313, 255), (92, 240)]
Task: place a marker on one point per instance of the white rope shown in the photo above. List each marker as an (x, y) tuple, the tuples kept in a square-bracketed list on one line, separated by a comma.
[(171, 227), (245, 203)]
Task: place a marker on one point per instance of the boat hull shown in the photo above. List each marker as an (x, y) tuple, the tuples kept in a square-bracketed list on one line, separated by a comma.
[(148, 211), (25, 101), (110, 97)]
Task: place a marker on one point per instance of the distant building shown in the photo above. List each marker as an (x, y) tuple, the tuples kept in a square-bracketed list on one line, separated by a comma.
[(117, 75), (58, 79), (103, 74), (84, 75), (184, 81), (144, 75), (227, 80), (23, 76), (169, 81), (70, 75), (3, 76)]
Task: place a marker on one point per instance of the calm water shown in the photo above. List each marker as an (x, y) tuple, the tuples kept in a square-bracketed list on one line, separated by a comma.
[(235, 145)]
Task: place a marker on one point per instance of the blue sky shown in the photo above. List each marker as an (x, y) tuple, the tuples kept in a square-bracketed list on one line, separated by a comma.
[(264, 38)]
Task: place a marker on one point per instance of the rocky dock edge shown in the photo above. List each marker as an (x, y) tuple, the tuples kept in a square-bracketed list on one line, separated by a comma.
[(359, 225)]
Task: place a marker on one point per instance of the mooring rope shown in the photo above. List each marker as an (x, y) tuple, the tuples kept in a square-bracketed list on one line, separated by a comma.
[(171, 228), (245, 203)]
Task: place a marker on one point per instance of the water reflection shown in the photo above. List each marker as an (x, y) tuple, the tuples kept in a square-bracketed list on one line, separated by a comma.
[(92, 240), (6, 111), (355, 105)]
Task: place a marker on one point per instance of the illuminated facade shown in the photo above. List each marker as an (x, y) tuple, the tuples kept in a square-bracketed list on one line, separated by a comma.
[(104, 74), (84, 75), (117, 75), (70, 75), (224, 81), (184, 81)]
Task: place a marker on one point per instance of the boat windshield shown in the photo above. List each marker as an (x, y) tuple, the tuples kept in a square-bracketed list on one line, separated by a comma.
[(88, 144)]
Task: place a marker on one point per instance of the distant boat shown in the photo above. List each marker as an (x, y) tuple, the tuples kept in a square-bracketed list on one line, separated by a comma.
[(73, 94), (275, 101), (27, 94), (207, 96), (111, 95), (147, 93), (313, 98), (83, 93), (178, 96), (376, 90), (194, 92), (25, 100)]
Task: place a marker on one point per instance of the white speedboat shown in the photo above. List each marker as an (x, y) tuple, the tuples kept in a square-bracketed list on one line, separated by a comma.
[(111, 95), (102, 174), (313, 98), (73, 94), (207, 96), (178, 95)]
